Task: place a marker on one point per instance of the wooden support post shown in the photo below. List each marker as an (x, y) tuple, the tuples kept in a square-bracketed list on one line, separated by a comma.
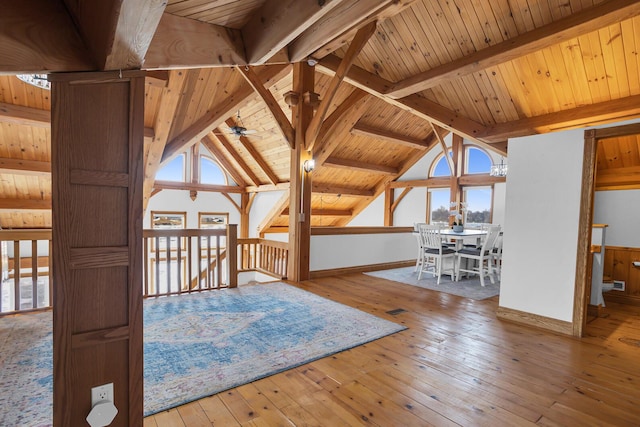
[(300, 181), (457, 147), (97, 177), (232, 255), (388, 206)]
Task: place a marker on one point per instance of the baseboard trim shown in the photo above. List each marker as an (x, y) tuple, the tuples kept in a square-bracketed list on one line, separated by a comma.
[(534, 320), (360, 269)]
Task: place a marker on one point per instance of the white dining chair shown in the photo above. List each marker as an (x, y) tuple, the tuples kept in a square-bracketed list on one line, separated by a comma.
[(420, 257), (435, 253), (478, 260)]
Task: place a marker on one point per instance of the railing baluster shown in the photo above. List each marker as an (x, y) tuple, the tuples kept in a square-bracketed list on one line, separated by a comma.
[(168, 262), (16, 274), (178, 264), (218, 263), (210, 279), (34, 274), (189, 262), (145, 246), (156, 282)]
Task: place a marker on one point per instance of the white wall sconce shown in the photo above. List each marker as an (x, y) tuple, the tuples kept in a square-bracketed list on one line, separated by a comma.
[(309, 165)]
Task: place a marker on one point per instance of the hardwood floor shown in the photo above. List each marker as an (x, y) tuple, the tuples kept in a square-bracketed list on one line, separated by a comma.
[(455, 365)]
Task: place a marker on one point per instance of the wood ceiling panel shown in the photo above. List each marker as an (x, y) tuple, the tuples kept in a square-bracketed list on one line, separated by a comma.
[(621, 152), (228, 13), (10, 220)]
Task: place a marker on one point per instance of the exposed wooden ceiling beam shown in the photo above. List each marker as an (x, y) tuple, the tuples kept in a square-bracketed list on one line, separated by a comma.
[(326, 212), (164, 118), (588, 115), (278, 22), (174, 185), (213, 118), (187, 43), (49, 42), (24, 204), (588, 20), (273, 178), (340, 20), (617, 178), (415, 104), (340, 122), (157, 78), (358, 42), (238, 159), (118, 33), (268, 187), (267, 97), (393, 137), (208, 142), (17, 114), (337, 189), (354, 10), (360, 166), (24, 167), (441, 181)]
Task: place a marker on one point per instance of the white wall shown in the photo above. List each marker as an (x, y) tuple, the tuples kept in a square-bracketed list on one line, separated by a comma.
[(262, 204), (179, 201), (329, 252), (541, 224), (620, 209)]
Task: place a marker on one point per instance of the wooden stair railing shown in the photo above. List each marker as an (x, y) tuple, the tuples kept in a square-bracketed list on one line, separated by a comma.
[(179, 253), (17, 292)]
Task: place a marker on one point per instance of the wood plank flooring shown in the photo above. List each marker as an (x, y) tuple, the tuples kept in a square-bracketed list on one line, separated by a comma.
[(455, 365)]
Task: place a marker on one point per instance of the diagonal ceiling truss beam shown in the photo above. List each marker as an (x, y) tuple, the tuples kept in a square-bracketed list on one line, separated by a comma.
[(267, 97), (359, 41), (278, 22)]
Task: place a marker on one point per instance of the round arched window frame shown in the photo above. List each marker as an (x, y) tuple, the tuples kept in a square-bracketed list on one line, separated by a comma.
[(481, 165), (439, 165), (213, 163)]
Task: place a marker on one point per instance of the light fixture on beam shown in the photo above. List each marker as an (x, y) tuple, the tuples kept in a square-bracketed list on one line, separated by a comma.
[(499, 169), (309, 165)]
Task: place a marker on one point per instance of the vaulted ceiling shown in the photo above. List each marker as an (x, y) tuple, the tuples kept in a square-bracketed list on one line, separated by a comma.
[(393, 77)]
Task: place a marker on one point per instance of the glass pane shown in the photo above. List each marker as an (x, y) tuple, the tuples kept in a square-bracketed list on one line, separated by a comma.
[(173, 171), (478, 205), (477, 161), (439, 206), (442, 168), (211, 173)]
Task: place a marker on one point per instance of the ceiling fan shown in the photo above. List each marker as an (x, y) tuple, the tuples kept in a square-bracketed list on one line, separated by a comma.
[(239, 129)]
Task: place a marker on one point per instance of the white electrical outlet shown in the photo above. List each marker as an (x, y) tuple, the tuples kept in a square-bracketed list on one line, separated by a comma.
[(102, 393)]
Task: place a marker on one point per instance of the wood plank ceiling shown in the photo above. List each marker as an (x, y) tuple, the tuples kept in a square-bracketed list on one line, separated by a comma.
[(486, 70)]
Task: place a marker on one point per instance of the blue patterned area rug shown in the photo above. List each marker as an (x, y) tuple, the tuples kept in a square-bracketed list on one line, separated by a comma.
[(466, 287), (194, 345)]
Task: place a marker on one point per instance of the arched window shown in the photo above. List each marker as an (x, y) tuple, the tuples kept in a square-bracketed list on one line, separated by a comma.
[(211, 172), (477, 161), (172, 171), (440, 166)]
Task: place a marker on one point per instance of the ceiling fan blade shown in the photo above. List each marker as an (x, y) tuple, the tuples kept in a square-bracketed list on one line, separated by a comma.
[(250, 132)]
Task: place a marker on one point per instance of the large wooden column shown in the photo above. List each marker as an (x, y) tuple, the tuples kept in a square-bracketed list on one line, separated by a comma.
[(300, 186), (97, 175)]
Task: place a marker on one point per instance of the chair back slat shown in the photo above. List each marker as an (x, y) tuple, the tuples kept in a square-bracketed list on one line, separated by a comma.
[(489, 242), (430, 236)]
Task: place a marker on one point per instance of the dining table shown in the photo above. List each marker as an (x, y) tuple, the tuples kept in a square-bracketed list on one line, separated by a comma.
[(459, 236)]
